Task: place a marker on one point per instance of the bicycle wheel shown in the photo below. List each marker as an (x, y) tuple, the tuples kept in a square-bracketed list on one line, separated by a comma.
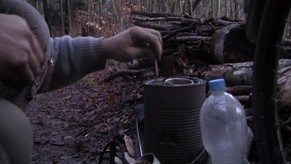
[(267, 131)]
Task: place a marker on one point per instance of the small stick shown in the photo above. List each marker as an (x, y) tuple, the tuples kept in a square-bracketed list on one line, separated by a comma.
[(156, 68)]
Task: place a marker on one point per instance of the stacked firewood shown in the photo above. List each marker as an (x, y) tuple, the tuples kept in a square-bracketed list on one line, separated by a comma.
[(189, 44), (205, 48), (188, 40)]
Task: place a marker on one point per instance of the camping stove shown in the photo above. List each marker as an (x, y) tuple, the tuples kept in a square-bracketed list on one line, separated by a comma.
[(171, 128)]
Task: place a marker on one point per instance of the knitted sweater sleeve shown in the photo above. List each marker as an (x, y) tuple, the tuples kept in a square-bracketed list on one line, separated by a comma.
[(70, 60)]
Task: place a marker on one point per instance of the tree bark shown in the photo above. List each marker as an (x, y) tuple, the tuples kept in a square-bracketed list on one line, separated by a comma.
[(62, 17), (195, 4), (284, 93), (46, 12), (241, 73), (67, 22)]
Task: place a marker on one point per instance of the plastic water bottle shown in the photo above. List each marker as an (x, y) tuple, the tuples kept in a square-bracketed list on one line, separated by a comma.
[(224, 128)]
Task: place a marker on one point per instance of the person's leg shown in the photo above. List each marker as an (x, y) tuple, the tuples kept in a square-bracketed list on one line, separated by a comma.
[(15, 134)]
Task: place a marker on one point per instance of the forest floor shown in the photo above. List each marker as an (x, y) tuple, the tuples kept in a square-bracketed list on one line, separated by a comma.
[(73, 124)]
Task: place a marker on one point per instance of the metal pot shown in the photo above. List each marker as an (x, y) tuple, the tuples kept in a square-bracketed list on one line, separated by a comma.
[(172, 108)]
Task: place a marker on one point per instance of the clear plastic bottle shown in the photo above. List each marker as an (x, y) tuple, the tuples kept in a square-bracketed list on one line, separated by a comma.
[(224, 128)]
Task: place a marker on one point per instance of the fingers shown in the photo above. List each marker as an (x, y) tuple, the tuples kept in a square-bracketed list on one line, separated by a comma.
[(34, 65), (34, 54), (158, 46), (140, 52), (21, 57), (150, 37), (25, 67), (37, 56), (157, 33)]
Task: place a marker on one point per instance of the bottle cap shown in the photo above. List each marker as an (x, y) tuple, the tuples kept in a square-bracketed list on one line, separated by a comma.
[(217, 85)]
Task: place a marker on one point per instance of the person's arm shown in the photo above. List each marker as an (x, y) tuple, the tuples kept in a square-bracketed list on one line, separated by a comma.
[(73, 58)]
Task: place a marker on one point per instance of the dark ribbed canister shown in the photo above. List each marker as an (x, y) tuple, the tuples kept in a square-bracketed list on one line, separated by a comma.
[(172, 108)]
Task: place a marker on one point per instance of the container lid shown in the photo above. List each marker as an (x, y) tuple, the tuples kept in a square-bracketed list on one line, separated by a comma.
[(177, 81), (217, 85)]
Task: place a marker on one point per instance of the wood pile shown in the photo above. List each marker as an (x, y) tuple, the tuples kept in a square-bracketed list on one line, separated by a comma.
[(189, 42), (213, 48)]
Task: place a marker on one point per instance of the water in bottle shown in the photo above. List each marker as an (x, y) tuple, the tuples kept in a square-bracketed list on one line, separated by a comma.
[(224, 128)]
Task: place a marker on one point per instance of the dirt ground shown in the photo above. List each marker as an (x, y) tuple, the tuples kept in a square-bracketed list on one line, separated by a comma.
[(73, 124)]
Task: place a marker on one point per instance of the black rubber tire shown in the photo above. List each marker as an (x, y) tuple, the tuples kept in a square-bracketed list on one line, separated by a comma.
[(255, 11), (16, 139), (267, 131)]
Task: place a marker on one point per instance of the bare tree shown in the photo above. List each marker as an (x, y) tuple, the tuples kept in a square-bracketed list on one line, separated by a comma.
[(62, 17)]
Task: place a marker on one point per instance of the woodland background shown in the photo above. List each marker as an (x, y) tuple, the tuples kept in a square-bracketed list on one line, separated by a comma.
[(108, 17)]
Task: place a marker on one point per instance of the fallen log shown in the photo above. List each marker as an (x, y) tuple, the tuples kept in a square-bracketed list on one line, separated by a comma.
[(233, 73), (229, 44), (241, 73), (239, 90), (238, 77), (245, 100), (127, 73), (284, 87)]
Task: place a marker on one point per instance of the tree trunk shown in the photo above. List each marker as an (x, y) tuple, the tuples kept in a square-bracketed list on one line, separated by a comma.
[(67, 22), (46, 12), (218, 8), (189, 7), (62, 17), (195, 4)]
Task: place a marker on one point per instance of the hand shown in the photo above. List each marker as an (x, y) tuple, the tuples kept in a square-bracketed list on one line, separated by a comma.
[(20, 54), (135, 42)]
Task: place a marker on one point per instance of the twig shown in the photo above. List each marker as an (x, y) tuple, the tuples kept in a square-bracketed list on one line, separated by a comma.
[(127, 73), (191, 38), (183, 29), (155, 26), (156, 68), (141, 19), (224, 22), (154, 14)]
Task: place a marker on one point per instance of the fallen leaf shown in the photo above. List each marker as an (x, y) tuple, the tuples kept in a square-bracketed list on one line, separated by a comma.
[(117, 160), (129, 145), (129, 158), (112, 100), (67, 97)]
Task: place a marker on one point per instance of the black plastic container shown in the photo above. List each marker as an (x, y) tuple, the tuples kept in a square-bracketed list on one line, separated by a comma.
[(172, 107)]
